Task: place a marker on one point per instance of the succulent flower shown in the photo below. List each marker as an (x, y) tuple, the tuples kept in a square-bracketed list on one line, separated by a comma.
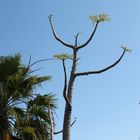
[(100, 18), (126, 49), (63, 56)]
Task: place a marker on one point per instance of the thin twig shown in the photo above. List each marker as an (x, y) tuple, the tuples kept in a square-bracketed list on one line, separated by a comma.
[(30, 65), (61, 131), (40, 61), (76, 39)]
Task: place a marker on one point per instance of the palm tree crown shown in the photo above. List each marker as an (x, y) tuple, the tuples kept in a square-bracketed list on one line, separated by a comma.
[(17, 85)]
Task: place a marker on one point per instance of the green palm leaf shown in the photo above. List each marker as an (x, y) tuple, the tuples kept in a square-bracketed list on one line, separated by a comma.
[(17, 84)]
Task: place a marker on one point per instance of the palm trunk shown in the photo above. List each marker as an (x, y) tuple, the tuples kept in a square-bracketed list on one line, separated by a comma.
[(7, 136), (5, 133), (51, 123)]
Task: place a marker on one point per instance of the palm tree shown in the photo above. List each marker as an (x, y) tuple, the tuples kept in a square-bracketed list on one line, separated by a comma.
[(16, 87), (36, 123)]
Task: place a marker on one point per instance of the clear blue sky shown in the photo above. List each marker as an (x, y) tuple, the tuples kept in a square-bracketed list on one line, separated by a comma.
[(106, 105)]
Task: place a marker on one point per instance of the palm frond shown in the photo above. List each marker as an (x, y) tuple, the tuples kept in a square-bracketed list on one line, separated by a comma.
[(47, 100), (8, 66)]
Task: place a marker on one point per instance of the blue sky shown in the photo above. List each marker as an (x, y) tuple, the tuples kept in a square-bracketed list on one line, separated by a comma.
[(106, 105)]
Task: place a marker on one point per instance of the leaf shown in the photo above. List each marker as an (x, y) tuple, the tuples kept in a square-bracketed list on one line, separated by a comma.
[(126, 49), (100, 18), (63, 56)]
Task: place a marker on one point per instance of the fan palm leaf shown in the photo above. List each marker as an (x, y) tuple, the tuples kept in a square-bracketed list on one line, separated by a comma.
[(17, 83)]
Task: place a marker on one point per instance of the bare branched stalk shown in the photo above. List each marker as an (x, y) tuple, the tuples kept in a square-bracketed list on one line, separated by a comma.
[(68, 89)]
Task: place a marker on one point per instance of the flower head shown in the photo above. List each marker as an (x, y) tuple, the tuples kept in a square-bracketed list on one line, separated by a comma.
[(100, 18)]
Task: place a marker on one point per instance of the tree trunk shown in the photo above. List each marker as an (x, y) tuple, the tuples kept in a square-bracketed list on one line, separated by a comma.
[(7, 136), (67, 123), (68, 108), (51, 123)]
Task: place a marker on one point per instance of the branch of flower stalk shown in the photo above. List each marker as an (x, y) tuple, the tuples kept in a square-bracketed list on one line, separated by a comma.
[(58, 132)]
